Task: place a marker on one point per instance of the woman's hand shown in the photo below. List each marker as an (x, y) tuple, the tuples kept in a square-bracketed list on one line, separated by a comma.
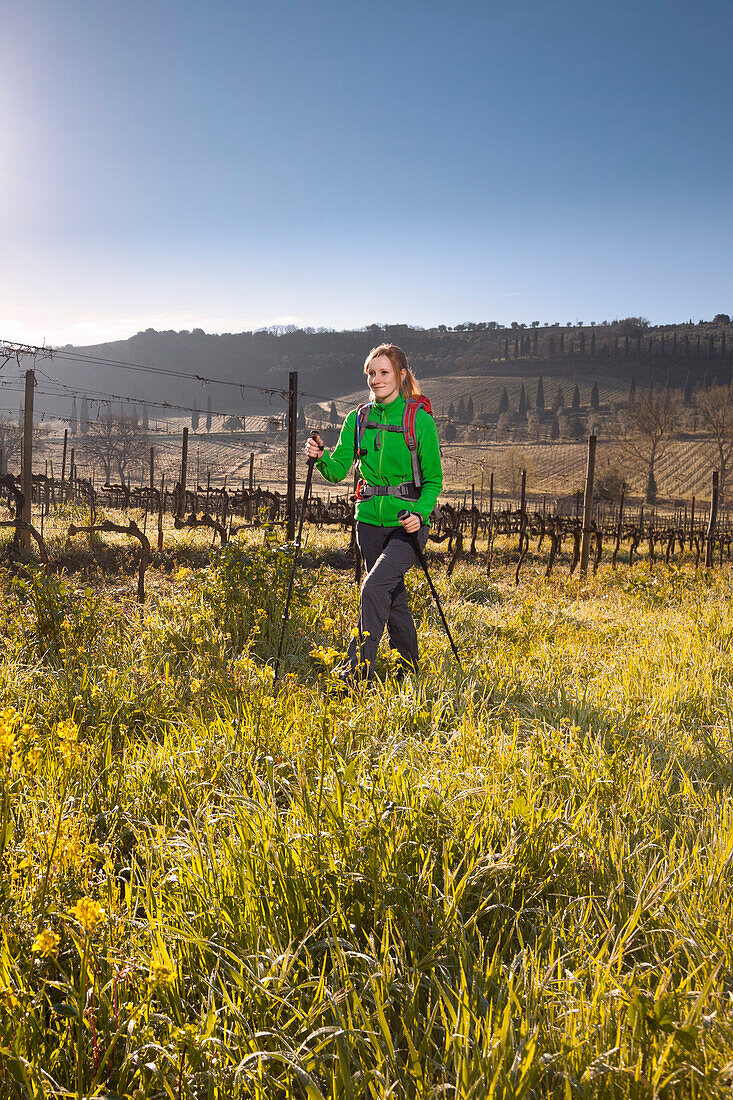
[(412, 523), (314, 448)]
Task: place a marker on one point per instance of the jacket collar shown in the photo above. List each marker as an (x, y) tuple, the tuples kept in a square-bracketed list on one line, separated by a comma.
[(394, 406)]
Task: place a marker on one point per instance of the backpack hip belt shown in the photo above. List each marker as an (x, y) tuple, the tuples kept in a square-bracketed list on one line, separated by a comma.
[(405, 491)]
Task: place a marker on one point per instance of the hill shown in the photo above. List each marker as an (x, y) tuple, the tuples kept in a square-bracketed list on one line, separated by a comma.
[(330, 363)]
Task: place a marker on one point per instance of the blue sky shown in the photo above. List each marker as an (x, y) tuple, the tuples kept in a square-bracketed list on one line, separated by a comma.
[(232, 165)]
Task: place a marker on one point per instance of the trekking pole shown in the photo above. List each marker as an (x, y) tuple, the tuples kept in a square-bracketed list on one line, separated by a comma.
[(404, 514), (296, 554)]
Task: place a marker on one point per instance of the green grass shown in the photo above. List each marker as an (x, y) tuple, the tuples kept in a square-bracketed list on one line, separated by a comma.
[(512, 883)]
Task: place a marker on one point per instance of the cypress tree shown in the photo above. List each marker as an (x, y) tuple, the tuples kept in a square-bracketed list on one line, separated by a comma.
[(469, 410), (208, 413), (594, 398), (195, 416), (516, 347), (575, 403), (593, 342), (555, 428), (74, 418), (650, 345), (535, 344), (333, 415), (84, 418), (686, 348), (506, 347), (300, 421), (552, 347), (722, 345), (626, 348), (582, 341), (461, 412), (503, 402), (632, 389), (711, 347), (539, 401), (146, 422), (558, 400), (522, 408), (674, 343), (687, 398), (562, 342), (451, 412)]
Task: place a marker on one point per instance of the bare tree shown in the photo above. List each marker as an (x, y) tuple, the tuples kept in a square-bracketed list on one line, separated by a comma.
[(115, 442), (648, 425), (11, 435), (715, 409), (11, 442)]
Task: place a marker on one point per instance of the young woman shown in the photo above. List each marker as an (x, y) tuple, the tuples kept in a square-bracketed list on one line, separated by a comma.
[(391, 482)]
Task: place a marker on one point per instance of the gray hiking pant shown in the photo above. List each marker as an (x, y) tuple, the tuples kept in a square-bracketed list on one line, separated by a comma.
[(388, 553)]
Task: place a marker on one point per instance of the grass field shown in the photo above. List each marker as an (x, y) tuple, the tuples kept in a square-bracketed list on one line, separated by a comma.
[(514, 881)]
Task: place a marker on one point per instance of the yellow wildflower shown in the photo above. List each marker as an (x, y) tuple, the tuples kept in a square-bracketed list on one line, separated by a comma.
[(89, 913), (8, 719), (162, 973), (46, 943), (68, 735), (67, 731), (328, 655)]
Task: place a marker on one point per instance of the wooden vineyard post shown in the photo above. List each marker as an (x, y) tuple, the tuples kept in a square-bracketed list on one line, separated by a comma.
[(26, 471), (251, 471), (710, 535), (181, 508), (588, 505), (490, 537), (619, 527), (692, 522), (63, 464), (523, 537), (152, 469), (160, 513), (292, 446)]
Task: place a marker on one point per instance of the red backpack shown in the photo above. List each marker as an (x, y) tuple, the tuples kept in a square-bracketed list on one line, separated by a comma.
[(412, 404)]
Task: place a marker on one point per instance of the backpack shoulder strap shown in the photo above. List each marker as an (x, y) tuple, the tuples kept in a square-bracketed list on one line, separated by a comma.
[(412, 404), (362, 415)]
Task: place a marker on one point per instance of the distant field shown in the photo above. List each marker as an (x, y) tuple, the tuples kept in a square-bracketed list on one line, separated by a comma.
[(559, 468), (555, 469)]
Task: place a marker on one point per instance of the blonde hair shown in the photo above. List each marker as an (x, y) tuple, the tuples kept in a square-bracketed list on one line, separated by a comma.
[(409, 385)]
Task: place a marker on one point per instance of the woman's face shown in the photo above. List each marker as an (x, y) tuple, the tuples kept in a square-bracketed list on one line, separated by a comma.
[(382, 379)]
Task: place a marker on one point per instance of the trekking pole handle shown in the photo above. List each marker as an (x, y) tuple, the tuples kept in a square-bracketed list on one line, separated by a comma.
[(405, 514), (314, 436)]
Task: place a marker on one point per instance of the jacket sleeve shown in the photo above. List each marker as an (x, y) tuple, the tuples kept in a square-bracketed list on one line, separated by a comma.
[(428, 453), (335, 467)]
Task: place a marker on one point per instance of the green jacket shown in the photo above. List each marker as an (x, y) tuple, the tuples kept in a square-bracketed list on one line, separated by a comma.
[(388, 464)]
